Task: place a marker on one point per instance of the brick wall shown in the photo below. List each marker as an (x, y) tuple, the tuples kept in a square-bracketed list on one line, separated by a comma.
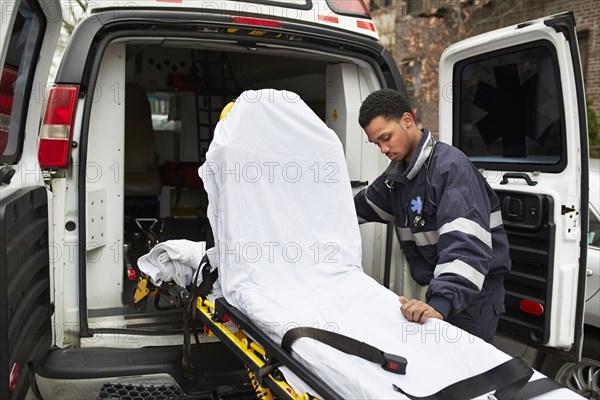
[(405, 25), (587, 16)]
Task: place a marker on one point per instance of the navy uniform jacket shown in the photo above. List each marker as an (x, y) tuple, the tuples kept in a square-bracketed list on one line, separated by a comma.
[(448, 221)]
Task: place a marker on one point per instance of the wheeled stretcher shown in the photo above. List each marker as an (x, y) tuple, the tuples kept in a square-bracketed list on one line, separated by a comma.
[(263, 357), (287, 249)]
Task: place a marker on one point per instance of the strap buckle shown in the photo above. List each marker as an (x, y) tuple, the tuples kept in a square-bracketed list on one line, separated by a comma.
[(394, 363)]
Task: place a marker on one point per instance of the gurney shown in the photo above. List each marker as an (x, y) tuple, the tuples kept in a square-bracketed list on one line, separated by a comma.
[(288, 252)]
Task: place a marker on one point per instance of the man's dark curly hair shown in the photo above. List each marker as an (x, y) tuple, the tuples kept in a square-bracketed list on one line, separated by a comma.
[(387, 103)]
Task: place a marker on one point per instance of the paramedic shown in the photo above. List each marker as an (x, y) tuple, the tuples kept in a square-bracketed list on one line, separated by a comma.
[(446, 216)]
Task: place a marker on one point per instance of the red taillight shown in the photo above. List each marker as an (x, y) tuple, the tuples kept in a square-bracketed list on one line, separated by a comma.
[(365, 25), (7, 92), (352, 7), (531, 307), (56, 134), (267, 23)]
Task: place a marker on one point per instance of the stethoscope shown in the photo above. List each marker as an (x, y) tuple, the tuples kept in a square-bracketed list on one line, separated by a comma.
[(419, 220)]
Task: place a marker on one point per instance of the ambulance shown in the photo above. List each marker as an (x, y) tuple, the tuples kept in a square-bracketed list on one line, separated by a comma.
[(101, 165)]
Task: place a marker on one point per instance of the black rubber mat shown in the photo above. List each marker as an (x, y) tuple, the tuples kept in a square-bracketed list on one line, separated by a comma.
[(113, 391)]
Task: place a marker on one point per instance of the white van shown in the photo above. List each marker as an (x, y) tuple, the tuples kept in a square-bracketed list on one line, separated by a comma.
[(109, 169)]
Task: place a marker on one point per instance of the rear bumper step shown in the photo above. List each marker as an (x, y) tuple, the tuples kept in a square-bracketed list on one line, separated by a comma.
[(133, 391), (215, 366), (89, 363)]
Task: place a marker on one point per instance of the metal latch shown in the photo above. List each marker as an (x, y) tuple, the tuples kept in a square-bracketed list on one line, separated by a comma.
[(565, 210)]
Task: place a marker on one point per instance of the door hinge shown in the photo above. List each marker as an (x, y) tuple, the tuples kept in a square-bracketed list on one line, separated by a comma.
[(565, 210)]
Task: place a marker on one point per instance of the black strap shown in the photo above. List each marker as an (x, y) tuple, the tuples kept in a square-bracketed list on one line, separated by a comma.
[(188, 316), (507, 379), (389, 362), (207, 283), (208, 279), (536, 388), (270, 367)]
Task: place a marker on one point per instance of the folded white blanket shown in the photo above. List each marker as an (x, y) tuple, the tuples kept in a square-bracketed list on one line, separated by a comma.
[(175, 260)]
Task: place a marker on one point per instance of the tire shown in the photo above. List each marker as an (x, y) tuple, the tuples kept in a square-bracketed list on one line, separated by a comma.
[(582, 377)]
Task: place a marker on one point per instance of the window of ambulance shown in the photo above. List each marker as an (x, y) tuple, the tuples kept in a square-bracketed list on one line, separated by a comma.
[(160, 107), (510, 114), (16, 78)]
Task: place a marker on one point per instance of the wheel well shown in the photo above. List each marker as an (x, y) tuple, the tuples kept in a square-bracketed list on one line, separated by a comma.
[(550, 363)]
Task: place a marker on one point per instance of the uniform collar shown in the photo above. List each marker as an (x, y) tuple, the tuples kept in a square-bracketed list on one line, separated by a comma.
[(421, 155)]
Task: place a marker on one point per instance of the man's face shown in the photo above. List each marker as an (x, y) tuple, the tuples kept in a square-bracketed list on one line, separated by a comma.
[(392, 137)]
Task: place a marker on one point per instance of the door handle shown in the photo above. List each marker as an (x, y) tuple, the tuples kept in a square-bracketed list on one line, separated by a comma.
[(515, 205), (517, 175)]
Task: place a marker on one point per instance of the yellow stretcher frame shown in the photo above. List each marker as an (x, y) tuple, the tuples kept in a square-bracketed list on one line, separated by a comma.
[(252, 354)]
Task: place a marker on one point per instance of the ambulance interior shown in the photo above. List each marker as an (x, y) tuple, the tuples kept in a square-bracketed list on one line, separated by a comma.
[(174, 94)]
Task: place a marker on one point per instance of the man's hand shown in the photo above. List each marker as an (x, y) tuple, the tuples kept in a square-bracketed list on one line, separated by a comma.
[(418, 311)]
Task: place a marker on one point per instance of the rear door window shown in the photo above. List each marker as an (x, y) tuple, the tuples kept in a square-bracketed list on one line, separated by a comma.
[(509, 113), (16, 79)]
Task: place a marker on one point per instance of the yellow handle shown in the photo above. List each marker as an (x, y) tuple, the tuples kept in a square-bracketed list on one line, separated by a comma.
[(226, 110)]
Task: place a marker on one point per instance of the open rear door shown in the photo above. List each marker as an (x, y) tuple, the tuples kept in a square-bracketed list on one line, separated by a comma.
[(513, 101), (28, 33)]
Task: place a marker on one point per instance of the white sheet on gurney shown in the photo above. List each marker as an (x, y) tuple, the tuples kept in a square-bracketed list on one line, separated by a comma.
[(175, 260), (288, 249)]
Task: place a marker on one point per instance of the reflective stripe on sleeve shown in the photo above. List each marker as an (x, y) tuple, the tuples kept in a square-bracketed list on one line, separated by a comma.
[(469, 227), (405, 234), (420, 238), (495, 219), (460, 268)]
